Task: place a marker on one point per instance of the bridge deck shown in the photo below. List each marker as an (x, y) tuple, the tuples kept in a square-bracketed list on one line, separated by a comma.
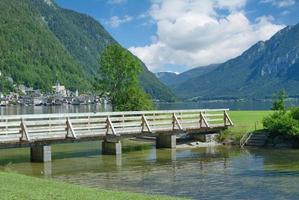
[(28, 129)]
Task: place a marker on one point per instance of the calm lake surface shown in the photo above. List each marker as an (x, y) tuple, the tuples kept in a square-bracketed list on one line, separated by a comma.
[(252, 105), (196, 173)]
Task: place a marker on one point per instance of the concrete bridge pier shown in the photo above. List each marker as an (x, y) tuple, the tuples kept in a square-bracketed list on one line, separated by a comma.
[(40, 153), (112, 146), (166, 141)]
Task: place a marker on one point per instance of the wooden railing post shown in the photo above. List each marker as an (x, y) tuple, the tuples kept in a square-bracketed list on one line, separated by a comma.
[(200, 119), (145, 124), (224, 118), (176, 122), (70, 130), (50, 125), (227, 119), (203, 120), (88, 122), (24, 132), (109, 126), (123, 122)]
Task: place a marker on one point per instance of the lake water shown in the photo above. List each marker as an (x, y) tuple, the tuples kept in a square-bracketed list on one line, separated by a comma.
[(251, 105), (197, 173), (18, 110)]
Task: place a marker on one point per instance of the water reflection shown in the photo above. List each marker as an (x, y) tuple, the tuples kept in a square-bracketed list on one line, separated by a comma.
[(250, 105), (17, 110), (42, 169), (167, 155), (198, 173)]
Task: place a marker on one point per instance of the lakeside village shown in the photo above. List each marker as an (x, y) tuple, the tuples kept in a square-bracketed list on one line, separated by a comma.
[(28, 96)]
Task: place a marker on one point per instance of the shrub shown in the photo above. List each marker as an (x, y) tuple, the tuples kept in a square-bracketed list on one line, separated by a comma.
[(283, 123), (295, 113)]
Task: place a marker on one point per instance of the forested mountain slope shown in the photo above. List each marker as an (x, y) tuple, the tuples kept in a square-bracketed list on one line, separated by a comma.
[(42, 43)]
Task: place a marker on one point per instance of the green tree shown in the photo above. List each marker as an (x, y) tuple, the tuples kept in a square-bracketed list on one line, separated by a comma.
[(279, 101), (118, 77), (5, 85)]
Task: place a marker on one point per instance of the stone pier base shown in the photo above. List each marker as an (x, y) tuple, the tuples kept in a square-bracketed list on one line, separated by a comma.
[(166, 141), (111, 147), (41, 153)]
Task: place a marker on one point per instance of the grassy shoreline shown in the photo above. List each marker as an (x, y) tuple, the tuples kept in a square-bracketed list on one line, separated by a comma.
[(16, 186), (244, 122)]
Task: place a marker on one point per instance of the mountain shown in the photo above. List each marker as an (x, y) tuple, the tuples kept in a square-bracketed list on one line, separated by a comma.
[(50, 43), (31, 54), (173, 80), (260, 71), (168, 78), (85, 39), (81, 35)]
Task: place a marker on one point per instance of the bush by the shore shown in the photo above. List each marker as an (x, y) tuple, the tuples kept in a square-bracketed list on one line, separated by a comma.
[(283, 123)]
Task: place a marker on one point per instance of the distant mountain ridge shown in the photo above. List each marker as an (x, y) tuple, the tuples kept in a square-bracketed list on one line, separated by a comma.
[(260, 71), (42, 43), (173, 80)]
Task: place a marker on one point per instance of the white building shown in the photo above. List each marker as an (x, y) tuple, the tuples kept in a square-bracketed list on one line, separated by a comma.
[(60, 89)]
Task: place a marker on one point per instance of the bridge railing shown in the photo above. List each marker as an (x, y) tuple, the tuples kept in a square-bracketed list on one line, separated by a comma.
[(41, 127)]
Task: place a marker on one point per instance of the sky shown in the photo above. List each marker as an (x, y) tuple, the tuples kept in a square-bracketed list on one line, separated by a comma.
[(178, 35)]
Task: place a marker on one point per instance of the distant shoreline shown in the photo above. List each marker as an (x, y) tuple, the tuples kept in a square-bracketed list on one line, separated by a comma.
[(291, 99)]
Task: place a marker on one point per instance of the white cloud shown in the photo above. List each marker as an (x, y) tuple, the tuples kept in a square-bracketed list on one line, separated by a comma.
[(280, 3), (193, 33), (116, 21)]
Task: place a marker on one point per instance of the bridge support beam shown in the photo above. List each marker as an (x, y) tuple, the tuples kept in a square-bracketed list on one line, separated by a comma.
[(166, 141), (111, 147), (40, 153)]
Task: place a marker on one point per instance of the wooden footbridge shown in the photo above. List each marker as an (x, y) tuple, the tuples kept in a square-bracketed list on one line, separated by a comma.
[(40, 130)]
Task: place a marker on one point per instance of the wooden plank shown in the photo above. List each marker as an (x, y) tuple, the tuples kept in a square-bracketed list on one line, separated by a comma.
[(158, 117), (24, 132), (189, 122), (10, 124), (213, 115), (176, 122), (110, 127), (159, 123), (214, 120), (145, 124), (69, 129), (203, 120), (128, 124), (105, 114), (227, 118)]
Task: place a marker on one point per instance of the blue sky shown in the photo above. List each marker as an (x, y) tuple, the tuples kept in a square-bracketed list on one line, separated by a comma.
[(177, 35)]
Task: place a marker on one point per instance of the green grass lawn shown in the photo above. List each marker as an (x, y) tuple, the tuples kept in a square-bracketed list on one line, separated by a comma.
[(15, 186), (245, 121)]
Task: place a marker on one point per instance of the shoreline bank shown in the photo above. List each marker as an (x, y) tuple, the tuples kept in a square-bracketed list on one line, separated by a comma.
[(17, 186)]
